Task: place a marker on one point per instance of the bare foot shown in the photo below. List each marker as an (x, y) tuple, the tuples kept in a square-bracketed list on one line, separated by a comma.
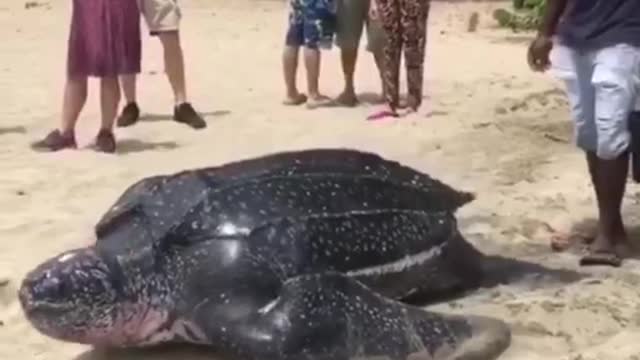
[(294, 100), (319, 100), (347, 98), (603, 251), (623, 246)]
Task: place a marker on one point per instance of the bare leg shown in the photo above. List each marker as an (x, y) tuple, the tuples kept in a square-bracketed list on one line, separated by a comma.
[(349, 58), (109, 99), (130, 113), (75, 96), (174, 64), (290, 70), (128, 83), (609, 181), (312, 64)]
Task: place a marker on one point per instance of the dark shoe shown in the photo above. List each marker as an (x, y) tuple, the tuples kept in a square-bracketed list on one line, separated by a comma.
[(106, 142), (55, 141), (129, 116), (184, 113)]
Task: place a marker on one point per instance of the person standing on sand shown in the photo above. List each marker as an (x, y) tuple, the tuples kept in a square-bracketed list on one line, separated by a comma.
[(352, 16), (312, 25), (405, 26), (163, 20), (597, 54), (104, 42)]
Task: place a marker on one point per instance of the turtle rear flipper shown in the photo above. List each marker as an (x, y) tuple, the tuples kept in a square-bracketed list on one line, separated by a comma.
[(331, 316)]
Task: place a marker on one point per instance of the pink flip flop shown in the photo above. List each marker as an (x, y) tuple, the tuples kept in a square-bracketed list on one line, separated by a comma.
[(380, 115)]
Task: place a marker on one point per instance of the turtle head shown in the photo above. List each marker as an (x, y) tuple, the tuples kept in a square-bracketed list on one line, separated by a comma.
[(73, 297)]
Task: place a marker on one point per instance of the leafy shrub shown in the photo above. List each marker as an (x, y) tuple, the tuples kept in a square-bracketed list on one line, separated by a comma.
[(526, 15)]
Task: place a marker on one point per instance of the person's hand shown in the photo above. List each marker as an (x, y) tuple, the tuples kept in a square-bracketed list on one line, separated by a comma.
[(538, 53), (373, 11)]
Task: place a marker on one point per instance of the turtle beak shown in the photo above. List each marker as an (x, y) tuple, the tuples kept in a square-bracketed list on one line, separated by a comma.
[(25, 297)]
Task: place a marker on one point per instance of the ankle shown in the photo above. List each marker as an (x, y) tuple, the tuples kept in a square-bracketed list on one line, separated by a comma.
[(67, 132), (291, 94)]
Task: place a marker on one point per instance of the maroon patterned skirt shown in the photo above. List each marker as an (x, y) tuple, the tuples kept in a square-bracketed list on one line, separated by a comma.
[(104, 39)]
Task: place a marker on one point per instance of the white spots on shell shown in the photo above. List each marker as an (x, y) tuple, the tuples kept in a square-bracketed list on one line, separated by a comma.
[(230, 229), (400, 265), (265, 309), (66, 257)]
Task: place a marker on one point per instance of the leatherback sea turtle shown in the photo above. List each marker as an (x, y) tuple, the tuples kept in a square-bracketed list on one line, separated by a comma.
[(295, 255)]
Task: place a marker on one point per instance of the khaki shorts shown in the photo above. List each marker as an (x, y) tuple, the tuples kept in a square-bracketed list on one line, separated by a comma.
[(161, 15)]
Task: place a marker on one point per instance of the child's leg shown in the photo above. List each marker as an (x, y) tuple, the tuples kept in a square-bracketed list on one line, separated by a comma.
[(290, 69), (318, 32), (312, 64), (293, 40)]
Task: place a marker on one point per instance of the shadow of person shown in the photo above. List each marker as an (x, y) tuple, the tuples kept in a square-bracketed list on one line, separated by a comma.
[(129, 146), (13, 130), (370, 98), (169, 117)]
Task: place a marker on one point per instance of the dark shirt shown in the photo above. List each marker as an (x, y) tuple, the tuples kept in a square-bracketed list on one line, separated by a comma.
[(600, 23)]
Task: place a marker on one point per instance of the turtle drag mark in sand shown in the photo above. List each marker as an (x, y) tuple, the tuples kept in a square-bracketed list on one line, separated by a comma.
[(296, 255)]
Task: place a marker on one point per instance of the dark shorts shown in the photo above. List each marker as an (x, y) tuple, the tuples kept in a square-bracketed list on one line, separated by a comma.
[(312, 23)]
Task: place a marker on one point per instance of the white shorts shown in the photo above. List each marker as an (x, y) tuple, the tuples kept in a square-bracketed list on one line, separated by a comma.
[(602, 86)]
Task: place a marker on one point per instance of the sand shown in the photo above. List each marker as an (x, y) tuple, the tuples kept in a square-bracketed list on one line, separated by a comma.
[(488, 125)]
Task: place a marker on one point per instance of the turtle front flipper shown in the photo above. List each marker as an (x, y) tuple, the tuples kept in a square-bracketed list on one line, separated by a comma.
[(333, 317)]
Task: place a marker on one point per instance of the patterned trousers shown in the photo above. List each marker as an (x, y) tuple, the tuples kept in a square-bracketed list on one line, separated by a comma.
[(405, 26)]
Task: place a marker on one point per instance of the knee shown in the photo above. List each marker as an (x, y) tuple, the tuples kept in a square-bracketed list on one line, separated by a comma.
[(617, 83), (612, 145)]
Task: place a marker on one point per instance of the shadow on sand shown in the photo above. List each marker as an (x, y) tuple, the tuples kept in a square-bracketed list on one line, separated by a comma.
[(499, 270), (129, 146), (13, 130), (169, 117)]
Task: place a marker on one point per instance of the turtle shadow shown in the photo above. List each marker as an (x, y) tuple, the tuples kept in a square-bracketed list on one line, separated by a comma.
[(500, 270), (129, 146), (169, 117), (370, 98)]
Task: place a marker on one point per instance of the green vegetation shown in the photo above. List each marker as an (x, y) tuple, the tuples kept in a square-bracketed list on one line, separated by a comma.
[(526, 15)]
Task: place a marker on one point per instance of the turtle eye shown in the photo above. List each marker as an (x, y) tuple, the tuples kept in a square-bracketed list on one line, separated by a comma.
[(46, 287)]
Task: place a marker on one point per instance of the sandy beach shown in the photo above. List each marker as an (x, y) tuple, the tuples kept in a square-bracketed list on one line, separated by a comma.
[(488, 125)]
